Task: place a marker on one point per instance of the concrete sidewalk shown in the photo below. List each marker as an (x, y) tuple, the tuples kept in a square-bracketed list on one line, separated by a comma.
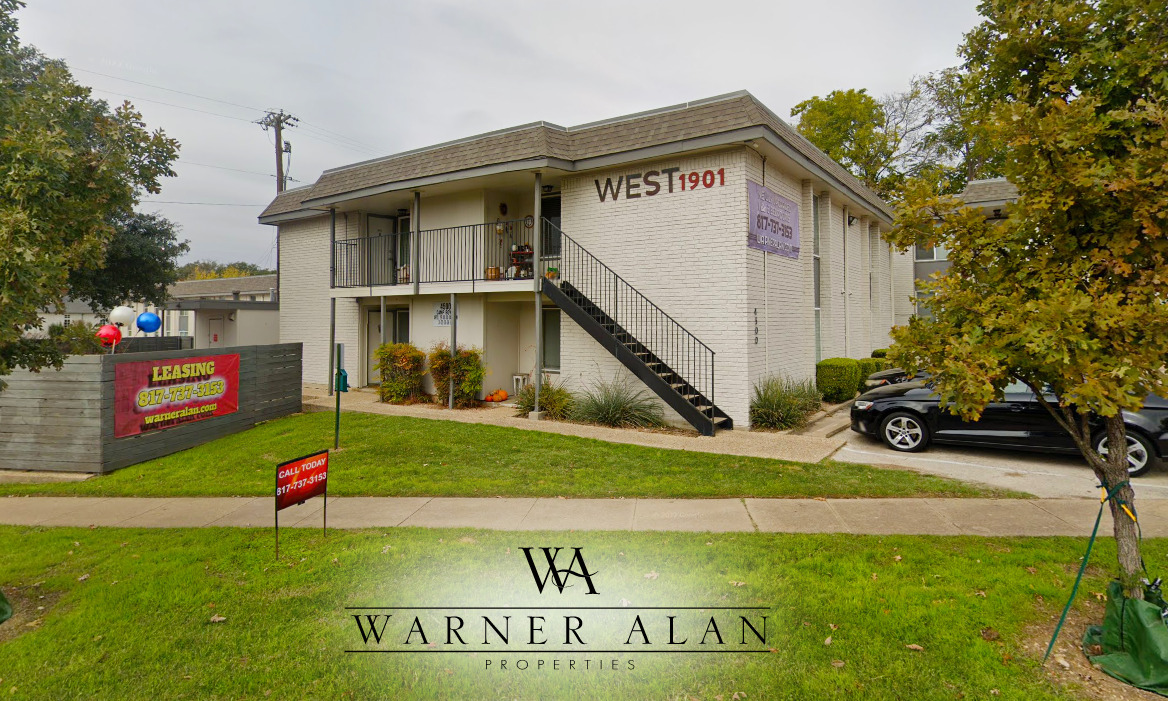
[(809, 447), (984, 517)]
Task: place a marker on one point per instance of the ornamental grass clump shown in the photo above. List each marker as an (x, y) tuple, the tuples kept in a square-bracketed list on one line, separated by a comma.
[(402, 368), (780, 403), (467, 368), (555, 401), (619, 404)]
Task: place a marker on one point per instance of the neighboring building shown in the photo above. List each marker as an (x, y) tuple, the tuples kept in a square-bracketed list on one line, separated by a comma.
[(991, 196), (235, 311), (651, 255), (70, 312)]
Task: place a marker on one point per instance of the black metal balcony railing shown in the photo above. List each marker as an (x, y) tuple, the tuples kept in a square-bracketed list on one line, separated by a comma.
[(490, 251)]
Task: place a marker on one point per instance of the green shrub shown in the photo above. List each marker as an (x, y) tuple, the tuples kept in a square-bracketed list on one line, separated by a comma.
[(867, 367), (837, 378), (77, 338), (880, 353), (402, 367), (618, 403), (781, 402), (468, 373), (555, 401)]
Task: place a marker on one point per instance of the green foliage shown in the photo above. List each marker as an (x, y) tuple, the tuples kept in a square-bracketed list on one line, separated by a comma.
[(1068, 291), (780, 402), (618, 403), (211, 270), (467, 368), (78, 338), (71, 166), (402, 367), (848, 126), (837, 378), (139, 263), (555, 401), (880, 353), (867, 367)]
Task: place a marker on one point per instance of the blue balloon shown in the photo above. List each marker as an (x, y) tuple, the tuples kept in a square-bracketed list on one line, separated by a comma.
[(148, 322)]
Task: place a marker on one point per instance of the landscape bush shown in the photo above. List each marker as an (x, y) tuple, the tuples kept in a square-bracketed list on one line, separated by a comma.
[(867, 367), (618, 403), (402, 367), (467, 368), (880, 353), (780, 402), (555, 401), (837, 378), (77, 338)]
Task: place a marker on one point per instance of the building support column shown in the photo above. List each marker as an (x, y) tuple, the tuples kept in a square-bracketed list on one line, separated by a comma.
[(537, 275), (453, 343), (416, 241), (332, 349)]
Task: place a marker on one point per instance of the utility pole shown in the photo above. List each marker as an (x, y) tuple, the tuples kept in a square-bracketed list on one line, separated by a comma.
[(277, 120)]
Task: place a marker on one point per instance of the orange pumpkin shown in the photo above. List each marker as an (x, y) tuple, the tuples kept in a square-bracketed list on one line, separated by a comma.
[(502, 395), (489, 398)]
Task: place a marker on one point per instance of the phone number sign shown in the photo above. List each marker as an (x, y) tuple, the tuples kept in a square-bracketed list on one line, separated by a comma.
[(301, 479), (150, 395), (774, 222)]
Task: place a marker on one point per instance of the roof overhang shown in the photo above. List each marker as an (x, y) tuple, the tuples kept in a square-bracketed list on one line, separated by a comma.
[(220, 305), (317, 206)]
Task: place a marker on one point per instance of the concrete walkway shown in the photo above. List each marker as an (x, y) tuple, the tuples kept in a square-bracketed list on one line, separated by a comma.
[(781, 446), (985, 517)]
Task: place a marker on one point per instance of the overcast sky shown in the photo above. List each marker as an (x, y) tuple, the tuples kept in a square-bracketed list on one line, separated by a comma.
[(372, 78)]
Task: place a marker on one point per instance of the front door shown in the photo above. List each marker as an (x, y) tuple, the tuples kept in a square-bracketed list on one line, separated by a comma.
[(215, 332), (398, 331)]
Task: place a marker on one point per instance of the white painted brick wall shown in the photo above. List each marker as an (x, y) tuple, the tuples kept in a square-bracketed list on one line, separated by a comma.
[(304, 297), (685, 251)]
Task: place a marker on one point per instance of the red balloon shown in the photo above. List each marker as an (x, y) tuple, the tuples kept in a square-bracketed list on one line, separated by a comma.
[(109, 335)]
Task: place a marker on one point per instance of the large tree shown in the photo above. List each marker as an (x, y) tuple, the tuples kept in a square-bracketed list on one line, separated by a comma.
[(69, 167), (140, 263), (1069, 293)]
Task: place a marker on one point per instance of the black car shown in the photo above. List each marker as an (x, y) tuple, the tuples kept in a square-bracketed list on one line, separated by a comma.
[(891, 376), (908, 417)]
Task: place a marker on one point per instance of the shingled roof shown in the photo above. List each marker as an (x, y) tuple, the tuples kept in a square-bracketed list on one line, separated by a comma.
[(542, 140), (991, 190), (248, 284)]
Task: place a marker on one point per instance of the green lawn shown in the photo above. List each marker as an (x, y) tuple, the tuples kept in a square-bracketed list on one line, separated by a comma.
[(402, 456), (128, 613)]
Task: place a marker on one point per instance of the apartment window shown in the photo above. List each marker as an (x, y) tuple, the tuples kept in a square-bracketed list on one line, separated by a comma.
[(184, 324), (927, 253), (816, 274), (551, 339), (66, 322)]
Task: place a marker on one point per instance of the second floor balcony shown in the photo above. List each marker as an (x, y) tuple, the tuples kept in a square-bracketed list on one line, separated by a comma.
[(487, 252)]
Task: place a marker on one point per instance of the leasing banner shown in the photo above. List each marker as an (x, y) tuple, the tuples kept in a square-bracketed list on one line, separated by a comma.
[(156, 394)]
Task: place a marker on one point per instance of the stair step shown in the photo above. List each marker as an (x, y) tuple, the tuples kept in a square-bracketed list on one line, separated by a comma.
[(719, 420)]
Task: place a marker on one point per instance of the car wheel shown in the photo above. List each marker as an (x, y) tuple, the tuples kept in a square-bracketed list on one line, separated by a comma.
[(1140, 454), (904, 432)]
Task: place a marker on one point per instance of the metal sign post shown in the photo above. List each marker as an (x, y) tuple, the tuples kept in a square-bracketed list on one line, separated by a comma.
[(340, 384), (299, 480)]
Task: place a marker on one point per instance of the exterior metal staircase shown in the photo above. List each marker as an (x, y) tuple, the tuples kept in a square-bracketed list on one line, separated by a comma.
[(663, 354)]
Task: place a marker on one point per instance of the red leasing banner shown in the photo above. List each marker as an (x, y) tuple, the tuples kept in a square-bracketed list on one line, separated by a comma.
[(301, 479), (156, 394)]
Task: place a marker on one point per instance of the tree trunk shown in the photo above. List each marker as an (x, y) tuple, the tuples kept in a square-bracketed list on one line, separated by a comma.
[(1127, 542)]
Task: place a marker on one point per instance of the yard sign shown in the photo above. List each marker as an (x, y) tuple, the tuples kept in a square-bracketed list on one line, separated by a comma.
[(299, 480)]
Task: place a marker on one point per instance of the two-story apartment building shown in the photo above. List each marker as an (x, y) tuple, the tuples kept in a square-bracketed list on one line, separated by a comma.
[(698, 248)]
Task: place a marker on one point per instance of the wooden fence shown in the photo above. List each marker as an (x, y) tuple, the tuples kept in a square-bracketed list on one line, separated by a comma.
[(64, 420)]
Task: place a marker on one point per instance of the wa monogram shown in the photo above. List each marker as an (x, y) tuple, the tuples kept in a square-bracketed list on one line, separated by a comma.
[(559, 577)]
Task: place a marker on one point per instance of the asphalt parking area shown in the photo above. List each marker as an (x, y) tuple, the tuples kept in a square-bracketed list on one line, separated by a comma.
[(1042, 475)]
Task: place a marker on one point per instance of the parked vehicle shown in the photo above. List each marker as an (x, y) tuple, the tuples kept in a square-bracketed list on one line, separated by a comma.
[(907, 416), (892, 376)]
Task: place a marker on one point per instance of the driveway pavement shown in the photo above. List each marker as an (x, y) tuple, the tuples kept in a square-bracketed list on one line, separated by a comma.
[(1043, 475)]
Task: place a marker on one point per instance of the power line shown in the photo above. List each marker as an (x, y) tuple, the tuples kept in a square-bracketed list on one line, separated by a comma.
[(207, 204), (171, 104), (159, 87), (235, 170)]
